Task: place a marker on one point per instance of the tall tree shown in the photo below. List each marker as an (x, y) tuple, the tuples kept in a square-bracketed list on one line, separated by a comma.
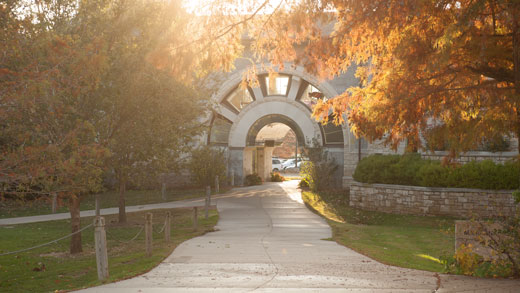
[(453, 62), (149, 118), (76, 82), (47, 143)]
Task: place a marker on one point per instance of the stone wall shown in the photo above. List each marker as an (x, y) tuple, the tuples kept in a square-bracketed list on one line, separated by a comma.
[(456, 202), (500, 157)]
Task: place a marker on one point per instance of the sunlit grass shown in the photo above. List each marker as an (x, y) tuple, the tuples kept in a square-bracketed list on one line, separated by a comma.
[(402, 240)]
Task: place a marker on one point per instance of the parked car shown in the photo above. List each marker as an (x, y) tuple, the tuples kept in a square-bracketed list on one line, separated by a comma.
[(288, 164), (277, 165)]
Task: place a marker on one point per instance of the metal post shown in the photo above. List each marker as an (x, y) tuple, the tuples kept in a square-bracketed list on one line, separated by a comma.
[(232, 177), (54, 202), (100, 239), (148, 231), (163, 191), (296, 155), (217, 185), (195, 218), (167, 227), (207, 202)]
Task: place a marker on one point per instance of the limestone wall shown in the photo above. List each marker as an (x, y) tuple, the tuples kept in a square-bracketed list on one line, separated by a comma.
[(456, 202), (473, 156)]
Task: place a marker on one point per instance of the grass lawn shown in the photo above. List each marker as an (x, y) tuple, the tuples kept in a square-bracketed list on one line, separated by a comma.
[(108, 199), (400, 240), (51, 268)]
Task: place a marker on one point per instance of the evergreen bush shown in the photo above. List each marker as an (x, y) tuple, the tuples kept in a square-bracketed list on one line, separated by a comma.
[(206, 163), (411, 169), (253, 179), (318, 172)]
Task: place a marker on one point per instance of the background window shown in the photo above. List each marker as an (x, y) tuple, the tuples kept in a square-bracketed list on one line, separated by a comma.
[(310, 96), (240, 98), (276, 85), (220, 130)]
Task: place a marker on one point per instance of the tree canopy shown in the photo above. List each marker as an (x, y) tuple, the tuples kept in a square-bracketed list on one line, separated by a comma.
[(450, 66), (80, 94)]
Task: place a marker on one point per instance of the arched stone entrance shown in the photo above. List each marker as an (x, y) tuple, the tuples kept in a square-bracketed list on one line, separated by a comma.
[(286, 98), (258, 154)]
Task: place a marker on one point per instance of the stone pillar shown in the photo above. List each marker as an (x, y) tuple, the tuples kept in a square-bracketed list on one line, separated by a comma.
[(236, 156), (261, 167), (247, 165), (268, 153)]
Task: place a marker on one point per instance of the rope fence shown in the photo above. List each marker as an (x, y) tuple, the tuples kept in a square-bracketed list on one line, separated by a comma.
[(47, 243), (101, 231), (160, 230), (126, 241)]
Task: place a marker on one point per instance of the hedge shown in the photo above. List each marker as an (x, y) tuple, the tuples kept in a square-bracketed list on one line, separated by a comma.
[(411, 169)]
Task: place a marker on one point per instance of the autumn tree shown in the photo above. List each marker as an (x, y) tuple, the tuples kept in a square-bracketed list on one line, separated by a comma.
[(149, 119), (456, 63), (78, 81), (47, 142)]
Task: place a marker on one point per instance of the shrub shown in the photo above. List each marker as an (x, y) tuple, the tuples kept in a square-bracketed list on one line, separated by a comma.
[(504, 242), (303, 183), (253, 179), (276, 177), (318, 172), (411, 169), (495, 144), (206, 163)]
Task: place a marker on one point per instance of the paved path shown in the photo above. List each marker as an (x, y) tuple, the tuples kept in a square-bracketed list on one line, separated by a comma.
[(107, 211), (268, 241)]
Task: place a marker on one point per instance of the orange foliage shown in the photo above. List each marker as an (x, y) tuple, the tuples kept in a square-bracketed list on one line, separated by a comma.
[(452, 62)]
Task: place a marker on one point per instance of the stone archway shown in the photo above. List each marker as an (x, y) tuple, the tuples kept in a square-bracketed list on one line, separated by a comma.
[(243, 112), (253, 118)]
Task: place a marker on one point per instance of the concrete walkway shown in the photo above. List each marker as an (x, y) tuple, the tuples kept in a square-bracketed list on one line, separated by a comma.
[(107, 211), (268, 241)]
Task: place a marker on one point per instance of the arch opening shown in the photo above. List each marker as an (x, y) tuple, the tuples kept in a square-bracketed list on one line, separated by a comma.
[(260, 124), (269, 135)]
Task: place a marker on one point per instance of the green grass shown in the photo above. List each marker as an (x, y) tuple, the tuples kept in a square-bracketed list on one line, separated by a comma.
[(400, 240), (19, 273), (108, 199)]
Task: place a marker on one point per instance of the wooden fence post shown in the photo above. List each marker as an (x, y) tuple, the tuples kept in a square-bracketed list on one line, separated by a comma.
[(232, 177), (54, 202), (167, 227), (100, 238), (207, 201), (217, 185), (195, 218), (98, 207), (148, 231)]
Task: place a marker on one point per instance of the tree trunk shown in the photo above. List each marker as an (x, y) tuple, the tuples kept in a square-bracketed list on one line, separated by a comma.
[(122, 190), (75, 240)]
